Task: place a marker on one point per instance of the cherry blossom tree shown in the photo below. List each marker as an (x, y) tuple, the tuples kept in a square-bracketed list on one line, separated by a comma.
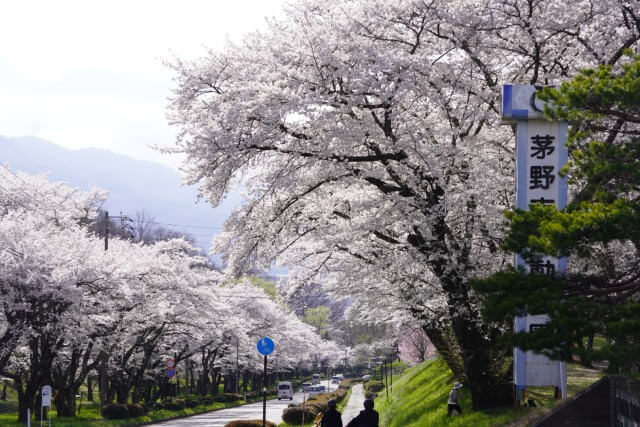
[(366, 134)]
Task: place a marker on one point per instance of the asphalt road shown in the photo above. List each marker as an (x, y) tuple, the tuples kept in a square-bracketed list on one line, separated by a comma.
[(252, 411)]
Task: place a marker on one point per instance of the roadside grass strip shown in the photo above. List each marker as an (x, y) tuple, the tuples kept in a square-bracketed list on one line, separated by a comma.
[(90, 417)]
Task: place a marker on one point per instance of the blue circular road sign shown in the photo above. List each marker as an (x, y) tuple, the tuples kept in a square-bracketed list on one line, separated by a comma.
[(171, 373), (265, 346)]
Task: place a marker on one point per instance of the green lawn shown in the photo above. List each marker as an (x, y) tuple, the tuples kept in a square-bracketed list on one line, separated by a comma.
[(419, 399)]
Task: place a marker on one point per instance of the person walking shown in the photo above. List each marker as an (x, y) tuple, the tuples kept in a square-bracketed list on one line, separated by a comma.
[(452, 403), (332, 417), (367, 418)]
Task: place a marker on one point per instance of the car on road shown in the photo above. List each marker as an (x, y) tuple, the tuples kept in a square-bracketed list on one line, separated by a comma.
[(316, 378), (305, 387), (335, 379), (366, 377), (316, 389), (285, 391)]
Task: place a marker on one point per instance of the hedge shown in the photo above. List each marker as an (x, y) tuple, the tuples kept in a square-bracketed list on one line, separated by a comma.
[(374, 386), (175, 405), (192, 403), (112, 411), (135, 409), (227, 397), (294, 415)]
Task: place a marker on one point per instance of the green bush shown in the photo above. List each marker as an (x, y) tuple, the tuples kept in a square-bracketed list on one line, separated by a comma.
[(254, 394), (191, 403), (135, 409), (157, 406), (207, 400), (294, 415), (227, 397), (249, 423), (175, 405), (374, 386), (113, 411)]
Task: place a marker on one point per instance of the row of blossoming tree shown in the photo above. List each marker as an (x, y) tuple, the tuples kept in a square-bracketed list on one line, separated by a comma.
[(71, 311)]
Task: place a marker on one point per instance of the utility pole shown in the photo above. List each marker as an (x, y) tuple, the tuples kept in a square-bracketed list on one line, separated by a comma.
[(104, 356), (186, 384), (237, 366), (106, 230), (391, 375), (386, 377)]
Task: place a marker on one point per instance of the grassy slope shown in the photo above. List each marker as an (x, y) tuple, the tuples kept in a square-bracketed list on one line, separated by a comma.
[(420, 399)]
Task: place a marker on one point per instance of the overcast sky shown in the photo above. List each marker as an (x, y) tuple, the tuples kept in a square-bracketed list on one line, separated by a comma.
[(89, 73)]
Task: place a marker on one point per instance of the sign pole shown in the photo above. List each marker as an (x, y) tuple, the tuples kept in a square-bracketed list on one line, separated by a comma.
[(264, 394), (265, 347)]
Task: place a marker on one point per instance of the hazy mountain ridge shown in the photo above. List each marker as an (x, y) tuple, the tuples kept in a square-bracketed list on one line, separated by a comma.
[(133, 184)]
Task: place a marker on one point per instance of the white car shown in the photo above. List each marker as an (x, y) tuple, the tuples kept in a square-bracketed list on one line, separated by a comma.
[(316, 379), (316, 389), (284, 390), (366, 377)]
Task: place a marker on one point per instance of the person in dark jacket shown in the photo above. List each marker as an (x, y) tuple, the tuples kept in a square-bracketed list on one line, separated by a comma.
[(366, 418), (331, 418)]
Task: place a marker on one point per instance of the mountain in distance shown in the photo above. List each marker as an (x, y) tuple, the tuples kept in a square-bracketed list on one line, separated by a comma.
[(133, 185)]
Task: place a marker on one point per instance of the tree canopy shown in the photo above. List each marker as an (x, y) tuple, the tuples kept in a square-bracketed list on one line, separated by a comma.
[(366, 134)]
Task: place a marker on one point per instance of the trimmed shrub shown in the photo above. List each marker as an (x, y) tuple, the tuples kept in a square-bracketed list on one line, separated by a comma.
[(374, 386), (175, 405), (207, 400), (112, 411), (316, 407), (135, 409), (227, 397), (254, 394), (191, 403), (249, 423), (294, 415), (157, 406)]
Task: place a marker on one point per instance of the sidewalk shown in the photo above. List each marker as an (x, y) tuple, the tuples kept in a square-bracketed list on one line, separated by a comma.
[(355, 404)]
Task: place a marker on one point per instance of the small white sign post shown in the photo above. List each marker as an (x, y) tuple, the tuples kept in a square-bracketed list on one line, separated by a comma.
[(540, 153), (46, 401)]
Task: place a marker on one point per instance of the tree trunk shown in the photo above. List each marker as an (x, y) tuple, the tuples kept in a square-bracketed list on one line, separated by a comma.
[(482, 356), (444, 341), (90, 385), (65, 401)]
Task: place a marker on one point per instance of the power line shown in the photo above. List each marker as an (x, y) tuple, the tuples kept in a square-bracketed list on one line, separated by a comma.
[(177, 225)]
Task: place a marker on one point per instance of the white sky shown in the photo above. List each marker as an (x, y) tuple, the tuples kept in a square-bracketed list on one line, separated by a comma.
[(89, 74)]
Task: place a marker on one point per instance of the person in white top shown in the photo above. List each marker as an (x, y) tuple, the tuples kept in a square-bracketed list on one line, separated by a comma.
[(453, 400)]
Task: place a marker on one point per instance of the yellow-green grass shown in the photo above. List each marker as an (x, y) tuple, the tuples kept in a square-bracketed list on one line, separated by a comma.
[(90, 417), (419, 399)]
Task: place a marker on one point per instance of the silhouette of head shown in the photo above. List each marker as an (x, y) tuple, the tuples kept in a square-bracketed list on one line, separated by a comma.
[(331, 403), (368, 404)]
